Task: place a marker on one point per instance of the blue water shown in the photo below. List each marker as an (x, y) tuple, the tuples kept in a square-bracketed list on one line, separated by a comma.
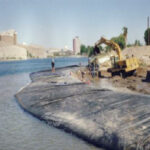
[(18, 129), (14, 67)]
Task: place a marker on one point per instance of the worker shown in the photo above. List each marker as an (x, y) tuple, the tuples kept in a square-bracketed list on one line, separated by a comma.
[(53, 64), (82, 75), (92, 69)]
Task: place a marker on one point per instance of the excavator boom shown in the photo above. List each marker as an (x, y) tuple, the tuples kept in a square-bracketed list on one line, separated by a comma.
[(122, 66), (112, 44)]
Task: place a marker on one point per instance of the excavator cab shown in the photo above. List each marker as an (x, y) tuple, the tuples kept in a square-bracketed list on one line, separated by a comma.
[(114, 61)]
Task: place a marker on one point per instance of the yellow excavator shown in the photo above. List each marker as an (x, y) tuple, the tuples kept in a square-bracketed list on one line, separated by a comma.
[(120, 66)]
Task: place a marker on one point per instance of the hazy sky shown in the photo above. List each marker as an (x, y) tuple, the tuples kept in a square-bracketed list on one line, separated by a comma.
[(54, 23)]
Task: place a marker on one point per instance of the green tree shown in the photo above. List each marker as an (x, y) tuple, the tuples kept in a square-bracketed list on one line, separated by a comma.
[(29, 55), (146, 38), (83, 49), (137, 43), (107, 49), (90, 50), (129, 45), (120, 40)]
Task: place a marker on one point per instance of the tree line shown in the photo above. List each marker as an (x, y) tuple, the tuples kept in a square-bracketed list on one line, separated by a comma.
[(121, 40)]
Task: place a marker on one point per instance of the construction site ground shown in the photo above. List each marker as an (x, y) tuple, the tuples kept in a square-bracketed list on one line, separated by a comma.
[(136, 83)]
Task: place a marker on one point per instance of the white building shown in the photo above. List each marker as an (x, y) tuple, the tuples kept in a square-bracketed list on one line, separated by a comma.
[(52, 51), (76, 45)]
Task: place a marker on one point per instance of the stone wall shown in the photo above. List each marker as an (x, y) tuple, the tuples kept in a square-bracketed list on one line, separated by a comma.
[(12, 52), (9, 37), (35, 51)]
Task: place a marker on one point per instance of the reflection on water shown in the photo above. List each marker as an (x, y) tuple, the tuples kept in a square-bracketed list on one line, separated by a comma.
[(21, 131)]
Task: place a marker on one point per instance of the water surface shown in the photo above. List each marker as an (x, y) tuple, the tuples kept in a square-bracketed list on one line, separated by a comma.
[(18, 129)]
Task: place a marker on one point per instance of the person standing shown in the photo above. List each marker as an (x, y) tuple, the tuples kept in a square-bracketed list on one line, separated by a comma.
[(53, 64)]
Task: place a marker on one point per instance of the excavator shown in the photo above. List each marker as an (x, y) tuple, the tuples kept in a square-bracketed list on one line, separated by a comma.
[(120, 66)]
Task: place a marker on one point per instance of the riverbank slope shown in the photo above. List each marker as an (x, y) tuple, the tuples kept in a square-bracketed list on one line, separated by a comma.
[(106, 118)]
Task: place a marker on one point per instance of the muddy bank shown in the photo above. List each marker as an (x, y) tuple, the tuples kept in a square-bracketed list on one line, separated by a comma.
[(108, 119), (137, 83)]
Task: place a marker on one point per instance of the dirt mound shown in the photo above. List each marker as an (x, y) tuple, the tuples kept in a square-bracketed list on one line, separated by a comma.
[(141, 52)]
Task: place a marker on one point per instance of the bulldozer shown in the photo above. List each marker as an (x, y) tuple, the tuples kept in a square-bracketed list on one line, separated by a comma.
[(120, 66)]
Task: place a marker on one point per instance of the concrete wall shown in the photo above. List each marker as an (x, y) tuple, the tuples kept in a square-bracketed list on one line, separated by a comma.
[(12, 52), (35, 51), (9, 48)]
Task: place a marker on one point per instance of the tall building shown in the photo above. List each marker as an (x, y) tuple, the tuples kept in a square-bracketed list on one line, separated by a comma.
[(76, 45)]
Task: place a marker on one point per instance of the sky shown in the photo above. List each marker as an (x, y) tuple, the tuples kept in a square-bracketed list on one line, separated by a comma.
[(54, 23)]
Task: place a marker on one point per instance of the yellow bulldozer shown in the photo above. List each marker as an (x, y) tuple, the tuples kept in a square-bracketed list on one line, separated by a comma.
[(120, 66)]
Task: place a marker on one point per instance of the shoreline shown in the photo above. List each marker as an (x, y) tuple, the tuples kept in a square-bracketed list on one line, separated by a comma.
[(73, 56), (79, 108), (135, 83)]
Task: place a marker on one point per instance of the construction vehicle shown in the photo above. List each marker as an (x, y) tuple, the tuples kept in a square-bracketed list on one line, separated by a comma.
[(120, 66)]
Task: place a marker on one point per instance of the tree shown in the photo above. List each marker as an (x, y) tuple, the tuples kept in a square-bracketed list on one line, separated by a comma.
[(107, 49), (137, 43), (129, 45), (120, 40), (125, 32), (147, 36), (83, 49), (90, 50)]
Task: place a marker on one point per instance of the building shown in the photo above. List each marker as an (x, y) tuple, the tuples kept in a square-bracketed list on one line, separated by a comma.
[(76, 45), (58, 52), (9, 37), (53, 51), (65, 52)]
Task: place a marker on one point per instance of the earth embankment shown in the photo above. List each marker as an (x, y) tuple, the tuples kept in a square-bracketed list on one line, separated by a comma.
[(106, 118)]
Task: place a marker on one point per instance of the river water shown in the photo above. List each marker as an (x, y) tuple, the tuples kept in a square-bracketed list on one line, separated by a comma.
[(18, 129)]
